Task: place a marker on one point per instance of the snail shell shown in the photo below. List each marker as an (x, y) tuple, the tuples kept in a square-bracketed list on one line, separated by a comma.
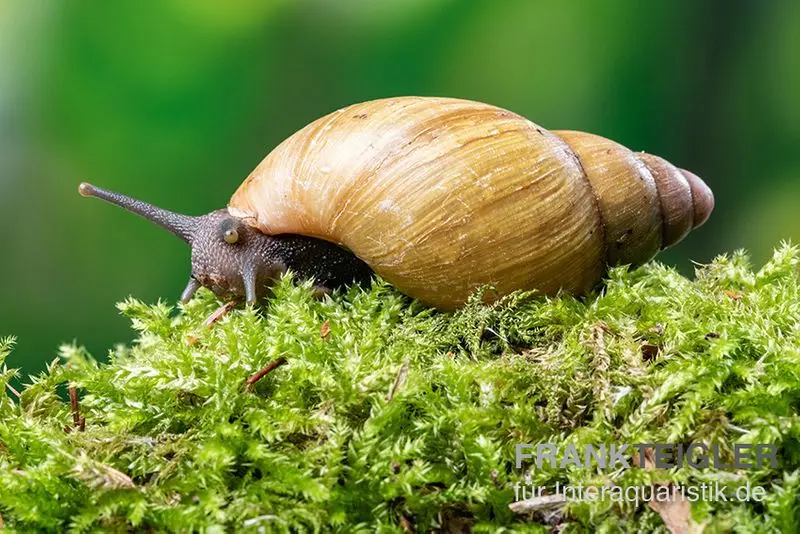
[(440, 196)]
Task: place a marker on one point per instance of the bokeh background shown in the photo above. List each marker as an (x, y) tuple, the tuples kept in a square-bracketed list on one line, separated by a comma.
[(175, 101)]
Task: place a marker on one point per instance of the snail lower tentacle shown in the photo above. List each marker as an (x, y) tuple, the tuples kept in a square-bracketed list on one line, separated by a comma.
[(191, 289)]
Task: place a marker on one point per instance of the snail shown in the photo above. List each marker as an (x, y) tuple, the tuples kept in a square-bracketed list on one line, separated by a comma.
[(439, 197)]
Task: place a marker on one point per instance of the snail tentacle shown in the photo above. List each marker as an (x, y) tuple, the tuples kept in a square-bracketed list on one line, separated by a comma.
[(183, 226), (191, 289), (249, 281)]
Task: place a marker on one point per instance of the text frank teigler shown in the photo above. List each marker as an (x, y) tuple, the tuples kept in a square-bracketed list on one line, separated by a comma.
[(642, 455)]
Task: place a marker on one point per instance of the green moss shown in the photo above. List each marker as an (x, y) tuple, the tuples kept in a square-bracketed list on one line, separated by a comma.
[(401, 416)]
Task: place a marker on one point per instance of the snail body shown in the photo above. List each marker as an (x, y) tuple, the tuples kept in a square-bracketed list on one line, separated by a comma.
[(440, 196)]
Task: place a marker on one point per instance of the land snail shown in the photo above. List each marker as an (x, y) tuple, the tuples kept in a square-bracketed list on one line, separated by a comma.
[(438, 196)]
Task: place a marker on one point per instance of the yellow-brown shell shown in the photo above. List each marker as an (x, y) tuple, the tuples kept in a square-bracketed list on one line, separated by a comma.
[(440, 196)]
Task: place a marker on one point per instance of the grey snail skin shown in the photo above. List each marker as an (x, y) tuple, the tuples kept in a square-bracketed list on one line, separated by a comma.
[(438, 196)]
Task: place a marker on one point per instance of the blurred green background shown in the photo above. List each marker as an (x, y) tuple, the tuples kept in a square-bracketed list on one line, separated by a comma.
[(176, 101)]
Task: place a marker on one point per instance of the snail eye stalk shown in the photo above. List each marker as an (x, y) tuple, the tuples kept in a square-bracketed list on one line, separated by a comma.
[(231, 236)]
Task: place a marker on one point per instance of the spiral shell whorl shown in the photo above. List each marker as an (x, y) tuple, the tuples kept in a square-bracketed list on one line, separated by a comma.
[(627, 197), (645, 203), (702, 198)]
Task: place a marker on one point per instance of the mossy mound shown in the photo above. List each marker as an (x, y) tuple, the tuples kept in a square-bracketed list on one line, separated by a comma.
[(390, 416)]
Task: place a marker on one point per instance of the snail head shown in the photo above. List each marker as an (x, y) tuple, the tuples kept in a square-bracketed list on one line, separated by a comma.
[(229, 257)]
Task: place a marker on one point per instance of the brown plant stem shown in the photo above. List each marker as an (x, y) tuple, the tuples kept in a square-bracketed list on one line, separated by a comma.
[(77, 420), (220, 312), (255, 377)]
